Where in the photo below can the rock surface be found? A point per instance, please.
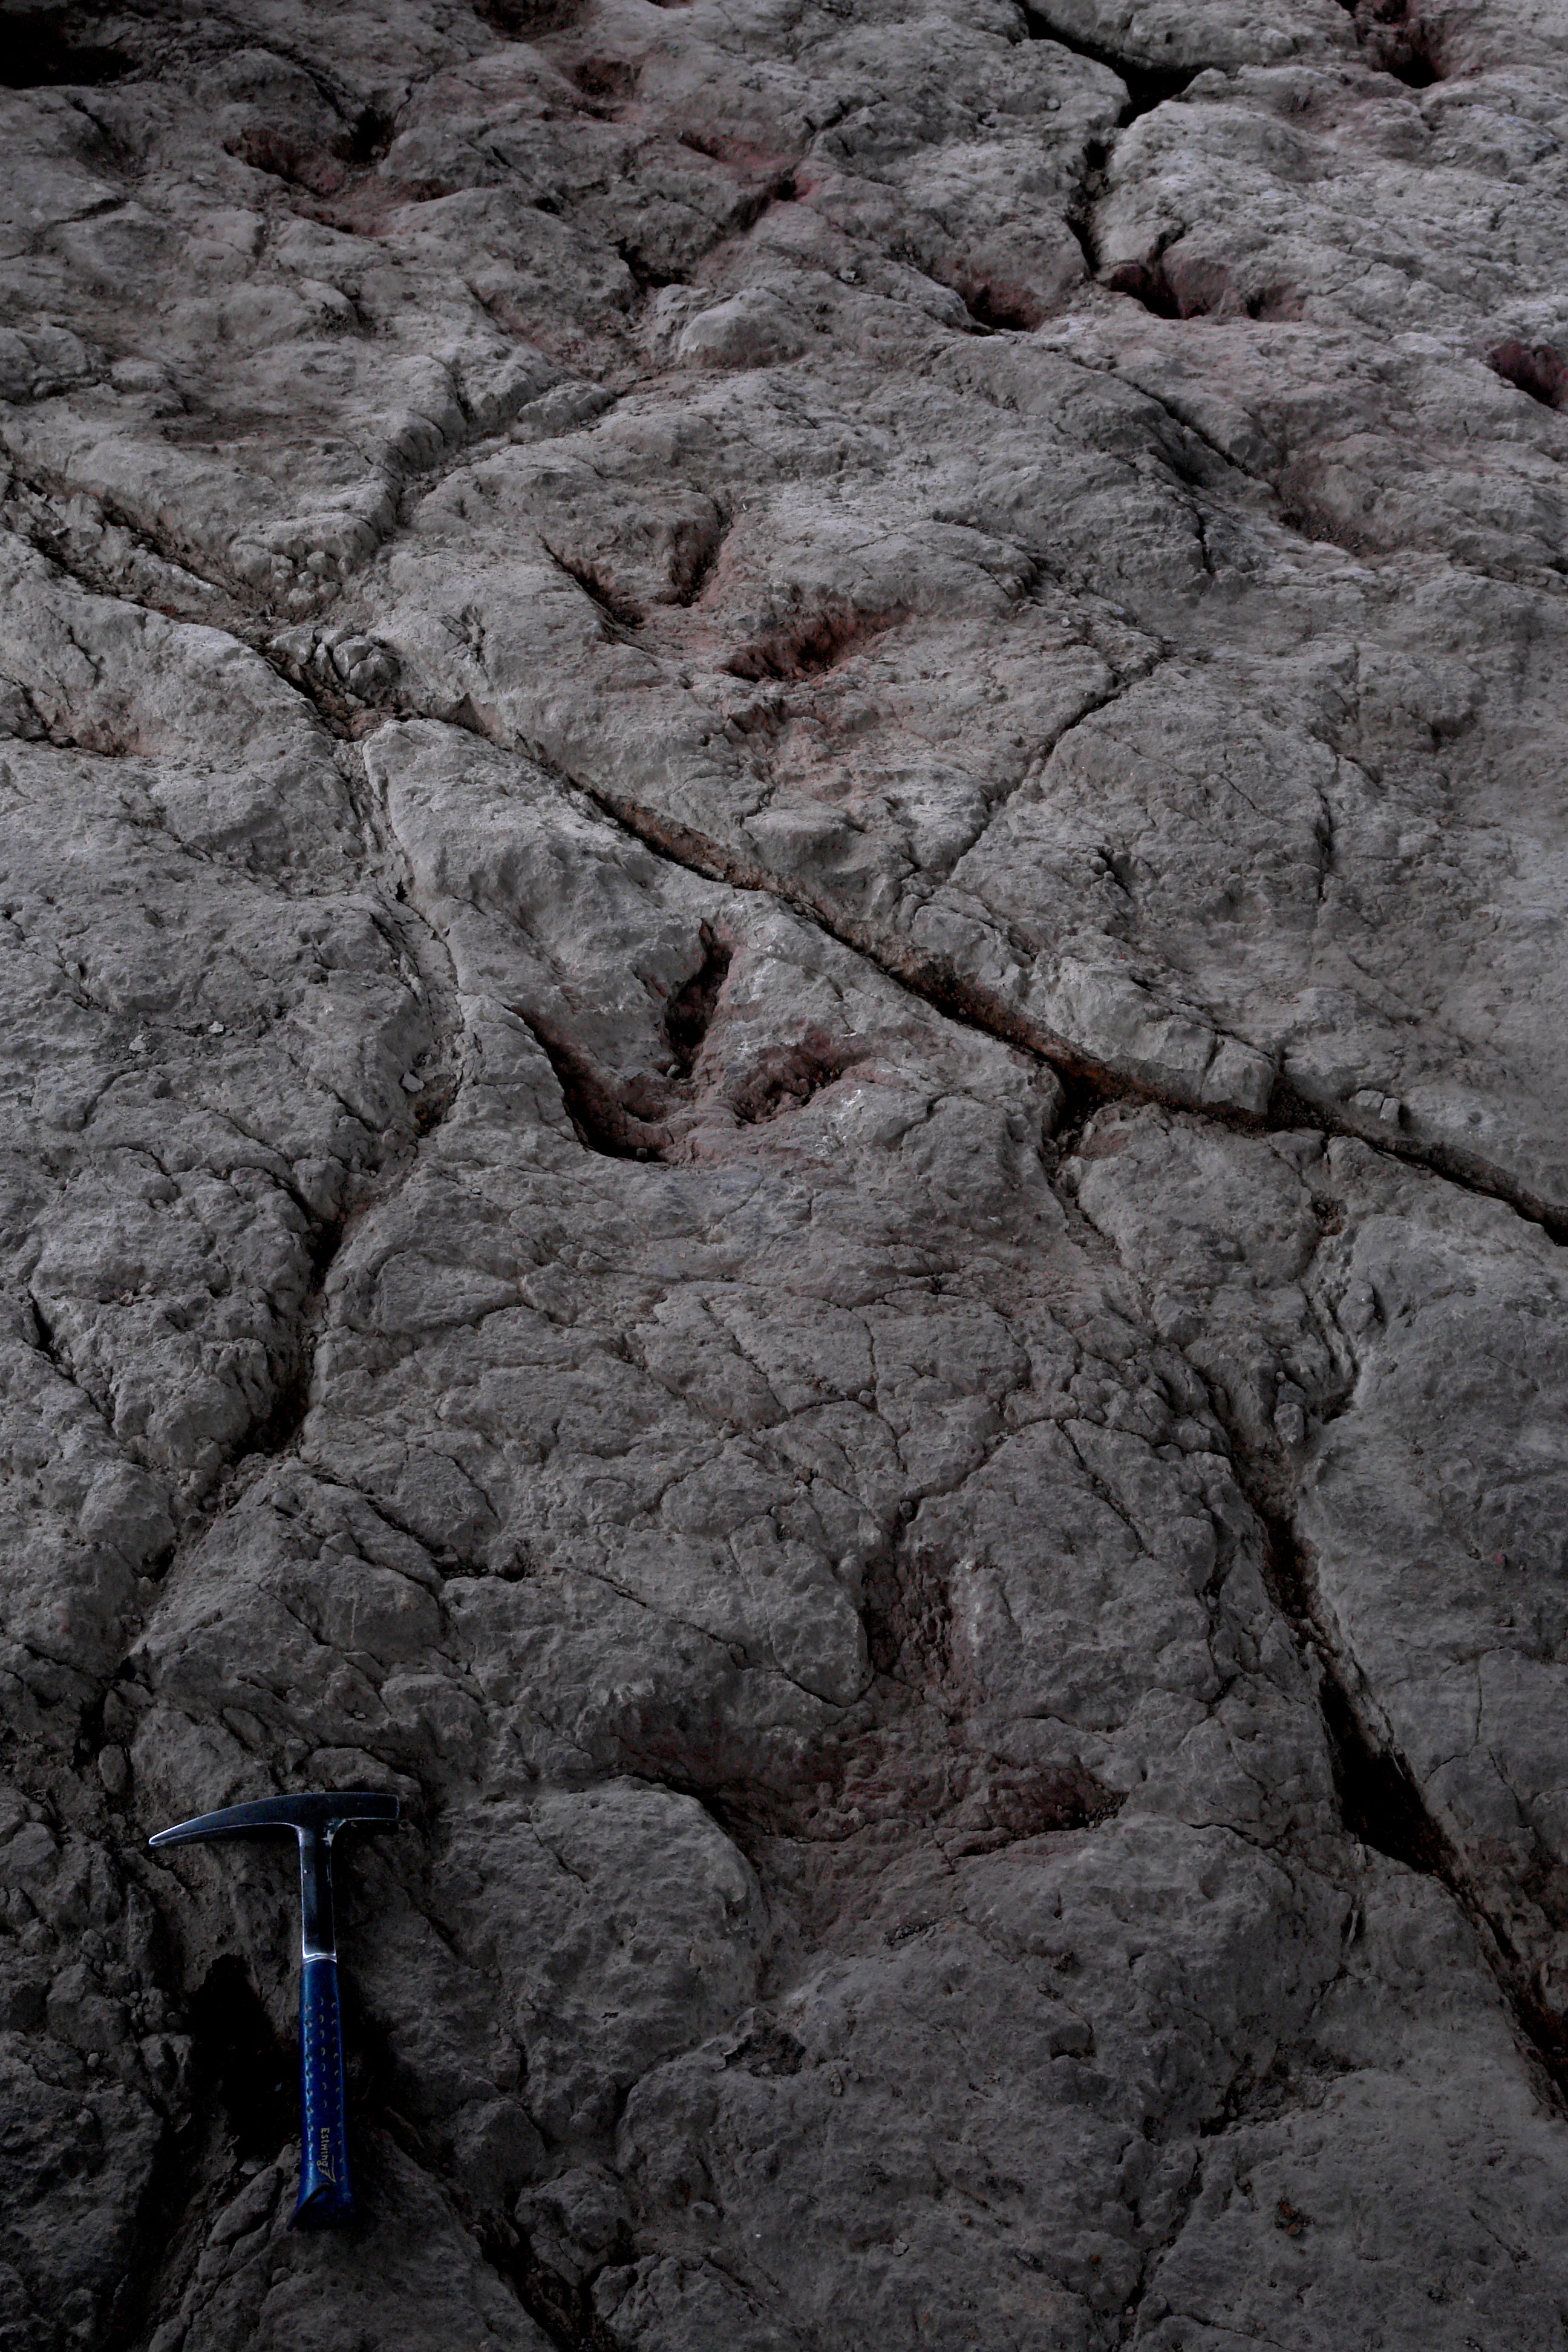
(782, 891)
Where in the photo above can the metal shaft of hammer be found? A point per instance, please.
(326, 2191)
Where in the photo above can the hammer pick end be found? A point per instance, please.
(320, 1812)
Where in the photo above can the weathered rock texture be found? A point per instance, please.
(783, 886)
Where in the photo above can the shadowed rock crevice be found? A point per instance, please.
(280, 1431)
(1181, 289)
(600, 1118)
(646, 1115)
(1147, 85)
(244, 2110)
(801, 647)
(648, 276)
(689, 1013)
(1382, 1803)
(786, 1075)
(50, 48)
(624, 611)
(526, 20)
(909, 1616)
(1000, 309)
(1537, 369)
(253, 2076)
(1398, 39)
(1379, 1801)
(560, 2309)
(696, 559)
(52, 1350)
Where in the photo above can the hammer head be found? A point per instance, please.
(315, 1817)
(318, 1813)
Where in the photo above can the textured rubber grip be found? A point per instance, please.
(325, 2195)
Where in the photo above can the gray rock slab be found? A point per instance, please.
(781, 923)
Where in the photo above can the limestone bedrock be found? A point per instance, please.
(781, 878)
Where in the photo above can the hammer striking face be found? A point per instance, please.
(315, 1818)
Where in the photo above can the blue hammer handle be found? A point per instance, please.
(315, 1816)
(326, 2192)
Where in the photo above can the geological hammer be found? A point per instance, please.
(325, 2194)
